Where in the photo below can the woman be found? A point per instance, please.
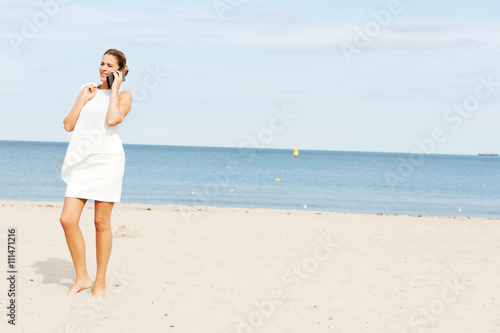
(94, 165)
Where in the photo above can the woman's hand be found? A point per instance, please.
(88, 93)
(118, 79)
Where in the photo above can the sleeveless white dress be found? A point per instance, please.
(94, 163)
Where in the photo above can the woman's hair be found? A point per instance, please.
(120, 57)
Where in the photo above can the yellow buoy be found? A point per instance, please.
(277, 179)
(296, 151)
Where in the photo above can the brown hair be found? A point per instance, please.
(120, 58)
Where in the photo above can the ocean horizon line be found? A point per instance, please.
(261, 149)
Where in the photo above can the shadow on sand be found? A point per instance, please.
(54, 270)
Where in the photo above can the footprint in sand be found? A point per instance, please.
(124, 232)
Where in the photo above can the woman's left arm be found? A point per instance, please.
(119, 104)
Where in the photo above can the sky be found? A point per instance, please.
(381, 76)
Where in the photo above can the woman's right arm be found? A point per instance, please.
(85, 95)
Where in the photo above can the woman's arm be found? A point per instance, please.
(119, 107)
(119, 104)
(85, 95)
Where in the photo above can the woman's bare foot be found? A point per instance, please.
(99, 289)
(79, 285)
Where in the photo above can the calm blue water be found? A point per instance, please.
(363, 182)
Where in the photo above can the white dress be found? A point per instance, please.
(94, 163)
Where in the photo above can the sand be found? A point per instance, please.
(209, 269)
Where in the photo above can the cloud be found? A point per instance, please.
(25, 3)
(419, 34)
(278, 31)
(477, 37)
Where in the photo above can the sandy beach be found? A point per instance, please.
(209, 269)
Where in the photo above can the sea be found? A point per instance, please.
(316, 180)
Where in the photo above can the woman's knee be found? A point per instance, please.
(71, 212)
(67, 222)
(102, 224)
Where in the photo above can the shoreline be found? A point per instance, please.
(140, 206)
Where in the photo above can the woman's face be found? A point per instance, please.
(108, 66)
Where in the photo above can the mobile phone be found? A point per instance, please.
(111, 78)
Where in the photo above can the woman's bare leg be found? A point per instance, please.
(104, 240)
(70, 217)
